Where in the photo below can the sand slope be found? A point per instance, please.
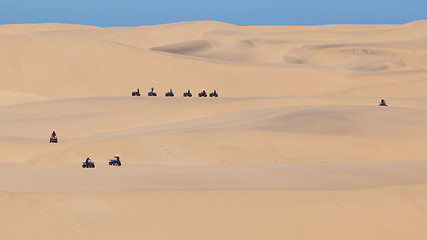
(372, 214)
(295, 146)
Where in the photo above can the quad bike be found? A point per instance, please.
(187, 94)
(202, 94)
(213, 94)
(169, 94)
(383, 104)
(152, 94)
(136, 93)
(89, 164)
(115, 162)
(53, 139)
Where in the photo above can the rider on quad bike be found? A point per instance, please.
(53, 137)
(383, 103)
(169, 93)
(203, 93)
(88, 163)
(136, 93)
(152, 93)
(187, 93)
(116, 161)
(213, 94)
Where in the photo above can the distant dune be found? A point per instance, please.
(295, 146)
(61, 60)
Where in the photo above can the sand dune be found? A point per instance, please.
(216, 129)
(295, 146)
(242, 61)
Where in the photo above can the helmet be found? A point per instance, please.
(116, 155)
(88, 156)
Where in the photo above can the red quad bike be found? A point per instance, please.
(383, 104)
(53, 139)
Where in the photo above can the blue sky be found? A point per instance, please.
(107, 13)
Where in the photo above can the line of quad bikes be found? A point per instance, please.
(117, 162)
(170, 93)
(91, 164)
(113, 162)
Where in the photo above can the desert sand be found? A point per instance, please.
(294, 147)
